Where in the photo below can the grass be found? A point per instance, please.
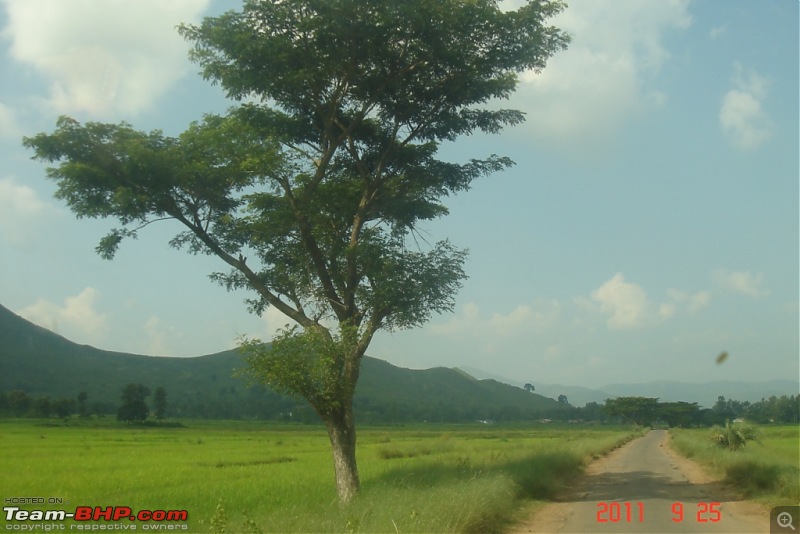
(767, 470)
(255, 477)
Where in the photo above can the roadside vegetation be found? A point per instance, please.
(766, 468)
(257, 477)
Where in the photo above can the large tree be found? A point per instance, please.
(636, 410)
(311, 190)
(134, 408)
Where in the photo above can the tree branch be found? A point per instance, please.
(298, 315)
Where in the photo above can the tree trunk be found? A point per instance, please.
(342, 433)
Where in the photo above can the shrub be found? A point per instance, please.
(733, 437)
(753, 477)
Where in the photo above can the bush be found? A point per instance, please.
(753, 477)
(733, 437)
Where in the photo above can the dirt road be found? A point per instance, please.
(644, 487)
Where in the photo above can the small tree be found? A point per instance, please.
(312, 191)
(160, 402)
(134, 408)
(733, 436)
(529, 388)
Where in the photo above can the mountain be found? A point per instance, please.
(704, 394)
(41, 363)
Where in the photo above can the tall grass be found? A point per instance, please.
(768, 470)
(260, 478)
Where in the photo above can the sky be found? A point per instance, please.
(650, 221)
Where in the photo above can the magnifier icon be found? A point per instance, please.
(785, 520)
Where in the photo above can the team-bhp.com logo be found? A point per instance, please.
(93, 514)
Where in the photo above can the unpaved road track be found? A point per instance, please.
(646, 471)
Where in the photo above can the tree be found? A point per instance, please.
(42, 407)
(679, 413)
(19, 402)
(529, 388)
(312, 191)
(563, 399)
(637, 410)
(63, 408)
(592, 411)
(723, 410)
(82, 408)
(134, 408)
(160, 402)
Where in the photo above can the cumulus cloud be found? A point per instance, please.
(626, 304)
(741, 116)
(159, 338)
(102, 58)
(20, 211)
(741, 282)
(691, 302)
(77, 318)
(503, 324)
(540, 316)
(605, 76)
(466, 319)
(274, 320)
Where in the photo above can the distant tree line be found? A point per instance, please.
(17, 403)
(259, 403)
(649, 411)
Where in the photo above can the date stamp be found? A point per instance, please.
(634, 512)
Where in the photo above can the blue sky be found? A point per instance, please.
(650, 222)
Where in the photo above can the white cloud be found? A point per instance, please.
(503, 324)
(467, 319)
(667, 310)
(274, 320)
(542, 315)
(20, 210)
(741, 115)
(717, 31)
(741, 282)
(692, 302)
(626, 304)
(605, 76)
(698, 301)
(159, 338)
(102, 58)
(77, 319)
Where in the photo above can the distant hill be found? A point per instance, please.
(704, 394)
(42, 363)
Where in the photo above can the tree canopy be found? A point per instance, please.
(134, 408)
(311, 190)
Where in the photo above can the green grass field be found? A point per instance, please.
(767, 470)
(252, 477)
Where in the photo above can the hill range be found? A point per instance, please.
(42, 363)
